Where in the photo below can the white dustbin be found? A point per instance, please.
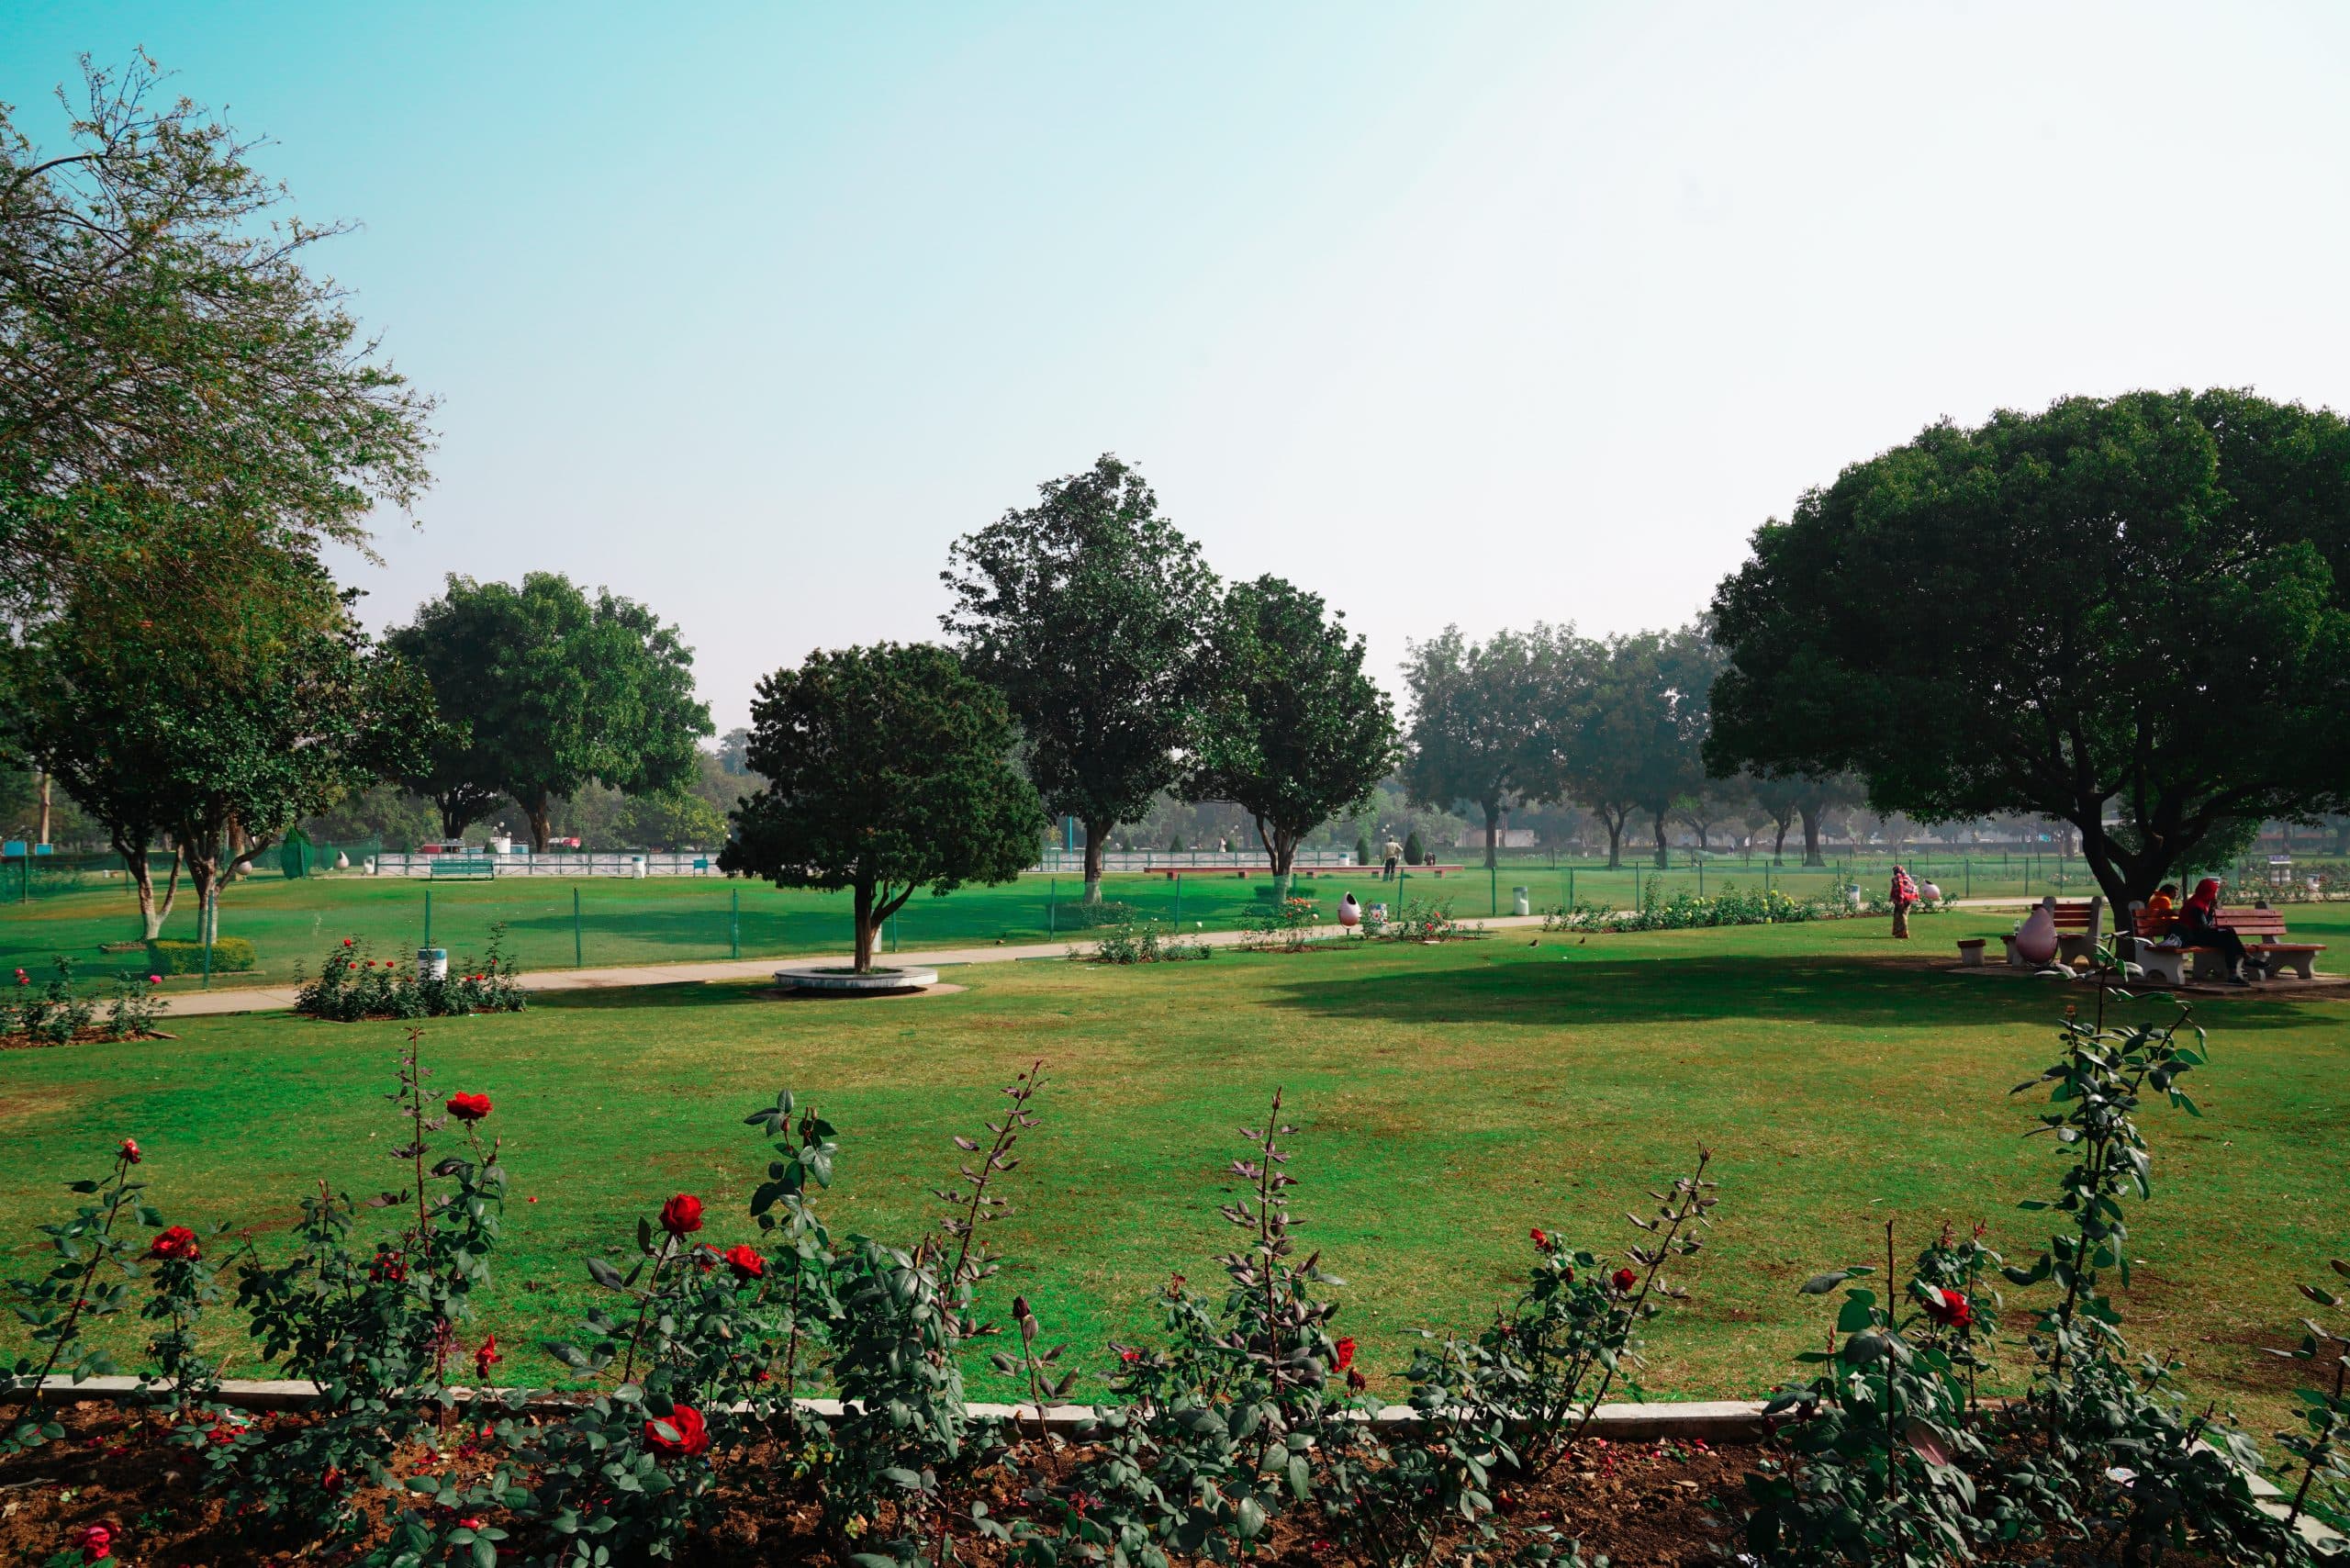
(636, 866)
(1520, 902)
(432, 963)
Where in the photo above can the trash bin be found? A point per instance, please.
(1521, 903)
(432, 963)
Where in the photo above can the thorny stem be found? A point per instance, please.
(645, 1304)
(2318, 1450)
(1892, 1442)
(31, 1392)
(1690, 1205)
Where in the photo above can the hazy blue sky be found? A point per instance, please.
(1485, 313)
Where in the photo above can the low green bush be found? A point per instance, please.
(1141, 945)
(1087, 916)
(230, 955)
(352, 986)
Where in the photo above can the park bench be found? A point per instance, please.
(474, 865)
(2079, 925)
(2263, 931)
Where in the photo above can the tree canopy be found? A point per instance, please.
(221, 719)
(165, 354)
(1483, 719)
(2127, 614)
(889, 770)
(1633, 731)
(1292, 731)
(1090, 613)
(543, 689)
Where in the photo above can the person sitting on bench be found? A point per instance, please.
(2199, 927)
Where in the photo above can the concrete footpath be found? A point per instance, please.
(276, 998)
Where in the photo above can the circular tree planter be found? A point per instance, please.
(839, 980)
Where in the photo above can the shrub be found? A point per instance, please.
(1415, 852)
(1427, 920)
(51, 1013)
(138, 1003)
(230, 955)
(1141, 945)
(1285, 923)
(1363, 852)
(352, 986)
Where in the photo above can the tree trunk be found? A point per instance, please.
(1280, 848)
(866, 928)
(1779, 841)
(151, 919)
(453, 823)
(1096, 835)
(1811, 856)
(541, 828)
(1664, 856)
(1615, 825)
(44, 805)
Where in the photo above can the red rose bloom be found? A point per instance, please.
(744, 1260)
(97, 1542)
(346, 941)
(130, 1151)
(692, 1438)
(681, 1215)
(468, 1107)
(1539, 1239)
(1625, 1280)
(1356, 1381)
(1949, 1309)
(1345, 1349)
(388, 1266)
(177, 1242)
(332, 1481)
(486, 1357)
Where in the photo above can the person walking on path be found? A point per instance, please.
(1392, 853)
(1905, 893)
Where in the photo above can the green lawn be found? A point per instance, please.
(616, 921)
(1449, 1098)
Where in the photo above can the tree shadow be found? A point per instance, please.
(1582, 988)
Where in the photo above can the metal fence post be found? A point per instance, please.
(734, 922)
(1052, 913)
(1178, 899)
(428, 914)
(579, 938)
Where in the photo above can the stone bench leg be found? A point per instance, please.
(2298, 962)
(2015, 960)
(2161, 963)
(2211, 965)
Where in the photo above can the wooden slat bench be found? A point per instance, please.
(2263, 931)
(2079, 925)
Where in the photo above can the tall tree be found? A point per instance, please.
(1637, 733)
(1088, 612)
(543, 689)
(221, 719)
(164, 356)
(2129, 611)
(1483, 720)
(889, 770)
(1294, 731)
(1785, 796)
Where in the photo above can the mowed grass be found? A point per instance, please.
(672, 920)
(1446, 1099)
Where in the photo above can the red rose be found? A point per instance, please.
(154, 980)
(1539, 1239)
(97, 1542)
(1129, 1356)
(130, 1151)
(1345, 1349)
(177, 1242)
(468, 1107)
(1356, 1381)
(388, 1266)
(332, 1481)
(681, 1215)
(1949, 1309)
(346, 941)
(744, 1260)
(469, 1524)
(485, 1357)
(1625, 1280)
(692, 1436)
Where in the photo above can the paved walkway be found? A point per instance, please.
(275, 999)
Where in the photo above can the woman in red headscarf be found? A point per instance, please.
(2197, 927)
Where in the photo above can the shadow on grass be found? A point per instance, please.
(1582, 988)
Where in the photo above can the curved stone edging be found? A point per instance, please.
(842, 982)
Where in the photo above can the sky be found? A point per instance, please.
(1475, 313)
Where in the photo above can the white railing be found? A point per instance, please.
(522, 863)
(1071, 862)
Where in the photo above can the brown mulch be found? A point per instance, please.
(1644, 1505)
(93, 1037)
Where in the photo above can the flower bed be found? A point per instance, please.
(1242, 1428)
(59, 1012)
(352, 985)
(1685, 911)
